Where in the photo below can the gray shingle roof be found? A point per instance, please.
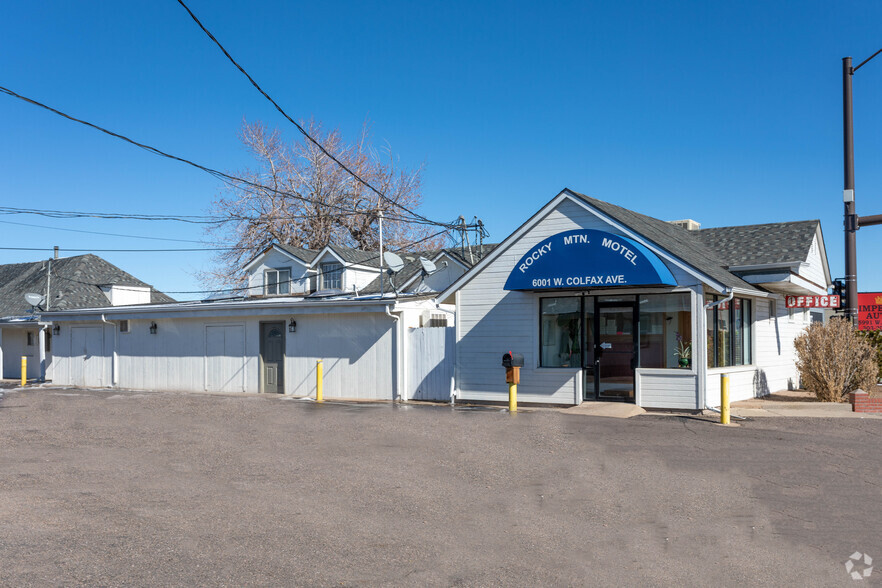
(675, 240)
(773, 243)
(357, 256)
(305, 255)
(412, 265)
(75, 284)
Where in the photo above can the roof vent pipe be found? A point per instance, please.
(56, 251)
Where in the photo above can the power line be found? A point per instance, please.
(299, 127)
(193, 219)
(234, 289)
(75, 250)
(99, 232)
(222, 176)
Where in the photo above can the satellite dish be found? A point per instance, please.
(33, 299)
(428, 266)
(393, 261)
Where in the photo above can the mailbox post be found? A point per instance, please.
(513, 362)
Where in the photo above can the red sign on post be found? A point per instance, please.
(827, 301)
(870, 311)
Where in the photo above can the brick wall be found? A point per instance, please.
(861, 402)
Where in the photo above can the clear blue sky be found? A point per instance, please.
(727, 113)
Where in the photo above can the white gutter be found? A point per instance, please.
(256, 307)
(731, 294)
(398, 353)
(114, 362)
(438, 307)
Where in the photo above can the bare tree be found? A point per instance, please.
(304, 199)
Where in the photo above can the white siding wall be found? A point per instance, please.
(123, 295)
(492, 321)
(351, 276)
(15, 346)
(357, 354)
(667, 389)
(813, 268)
(357, 349)
(358, 278)
(275, 260)
(60, 369)
(774, 366)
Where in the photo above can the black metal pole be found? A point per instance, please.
(851, 297)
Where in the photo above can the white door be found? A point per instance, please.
(225, 358)
(87, 356)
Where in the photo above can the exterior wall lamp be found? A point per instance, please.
(292, 326)
(152, 328)
(56, 330)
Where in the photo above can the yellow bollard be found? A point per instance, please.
(24, 371)
(512, 397)
(724, 399)
(319, 376)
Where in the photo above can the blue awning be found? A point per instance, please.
(588, 258)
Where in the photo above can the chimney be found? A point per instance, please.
(688, 224)
(56, 252)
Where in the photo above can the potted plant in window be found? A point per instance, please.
(684, 351)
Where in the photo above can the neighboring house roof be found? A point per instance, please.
(305, 255)
(412, 266)
(469, 256)
(356, 256)
(352, 256)
(675, 240)
(768, 244)
(76, 283)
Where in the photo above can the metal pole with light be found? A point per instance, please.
(852, 221)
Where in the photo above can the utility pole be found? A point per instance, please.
(380, 217)
(852, 221)
(848, 195)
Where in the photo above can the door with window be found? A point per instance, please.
(611, 348)
(272, 357)
(615, 350)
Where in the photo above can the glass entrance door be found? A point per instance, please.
(614, 351)
(589, 365)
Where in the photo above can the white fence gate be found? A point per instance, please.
(430, 357)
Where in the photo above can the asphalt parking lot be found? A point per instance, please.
(111, 488)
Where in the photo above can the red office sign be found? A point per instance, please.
(870, 311)
(828, 301)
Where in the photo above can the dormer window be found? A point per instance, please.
(277, 282)
(331, 276)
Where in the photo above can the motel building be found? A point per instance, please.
(608, 304)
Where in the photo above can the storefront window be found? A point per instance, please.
(711, 322)
(665, 330)
(561, 332)
(729, 326)
(724, 340)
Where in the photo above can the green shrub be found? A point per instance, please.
(834, 359)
